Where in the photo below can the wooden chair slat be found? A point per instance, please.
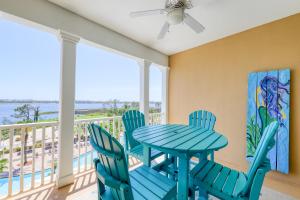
(138, 195)
(208, 119)
(212, 175)
(202, 119)
(240, 184)
(220, 181)
(199, 118)
(154, 177)
(158, 190)
(197, 168)
(203, 172)
(111, 163)
(230, 182)
(212, 122)
(147, 192)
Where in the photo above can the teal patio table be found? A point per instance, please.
(182, 141)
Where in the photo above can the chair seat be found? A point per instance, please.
(218, 180)
(138, 152)
(147, 183)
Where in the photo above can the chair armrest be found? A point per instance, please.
(258, 182)
(105, 152)
(107, 179)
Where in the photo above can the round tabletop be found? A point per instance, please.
(180, 138)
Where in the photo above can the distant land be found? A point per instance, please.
(56, 101)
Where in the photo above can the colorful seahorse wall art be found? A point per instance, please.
(269, 100)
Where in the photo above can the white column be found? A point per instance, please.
(165, 94)
(66, 109)
(144, 88)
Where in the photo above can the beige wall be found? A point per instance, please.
(214, 77)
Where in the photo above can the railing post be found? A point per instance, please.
(164, 96)
(66, 109)
(144, 88)
(10, 168)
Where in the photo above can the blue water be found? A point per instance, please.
(47, 173)
(7, 109)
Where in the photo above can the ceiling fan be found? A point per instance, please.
(174, 11)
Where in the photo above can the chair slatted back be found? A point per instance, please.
(132, 120)
(266, 143)
(202, 119)
(117, 168)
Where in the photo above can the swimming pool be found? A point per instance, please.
(47, 174)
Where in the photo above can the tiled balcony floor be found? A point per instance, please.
(84, 185)
(85, 188)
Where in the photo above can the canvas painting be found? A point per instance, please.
(269, 100)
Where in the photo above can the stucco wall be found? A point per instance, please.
(214, 77)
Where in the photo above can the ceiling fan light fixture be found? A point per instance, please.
(174, 12)
(175, 16)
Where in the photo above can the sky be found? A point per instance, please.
(30, 69)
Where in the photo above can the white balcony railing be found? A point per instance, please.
(28, 152)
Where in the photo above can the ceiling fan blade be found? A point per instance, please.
(147, 12)
(163, 31)
(192, 23)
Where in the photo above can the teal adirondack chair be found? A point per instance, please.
(132, 120)
(113, 179)
(203, 119)
(226, 183)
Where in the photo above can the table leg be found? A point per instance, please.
(147, 152)
(183, 178)
(202, 193)
(175, 167)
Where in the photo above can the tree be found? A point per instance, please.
(24, 112)
(36, 114)
(135, 105)
(3, 163)
(114, 106)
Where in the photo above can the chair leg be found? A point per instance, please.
(212, 156)
(175, 167)
(192, 194)
(101, 188)
(202, 194)
(127, 158)
(166, 156)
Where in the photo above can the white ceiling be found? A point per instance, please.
(220, 17)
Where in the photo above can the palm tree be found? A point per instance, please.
(36, 116)
(24, 112)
